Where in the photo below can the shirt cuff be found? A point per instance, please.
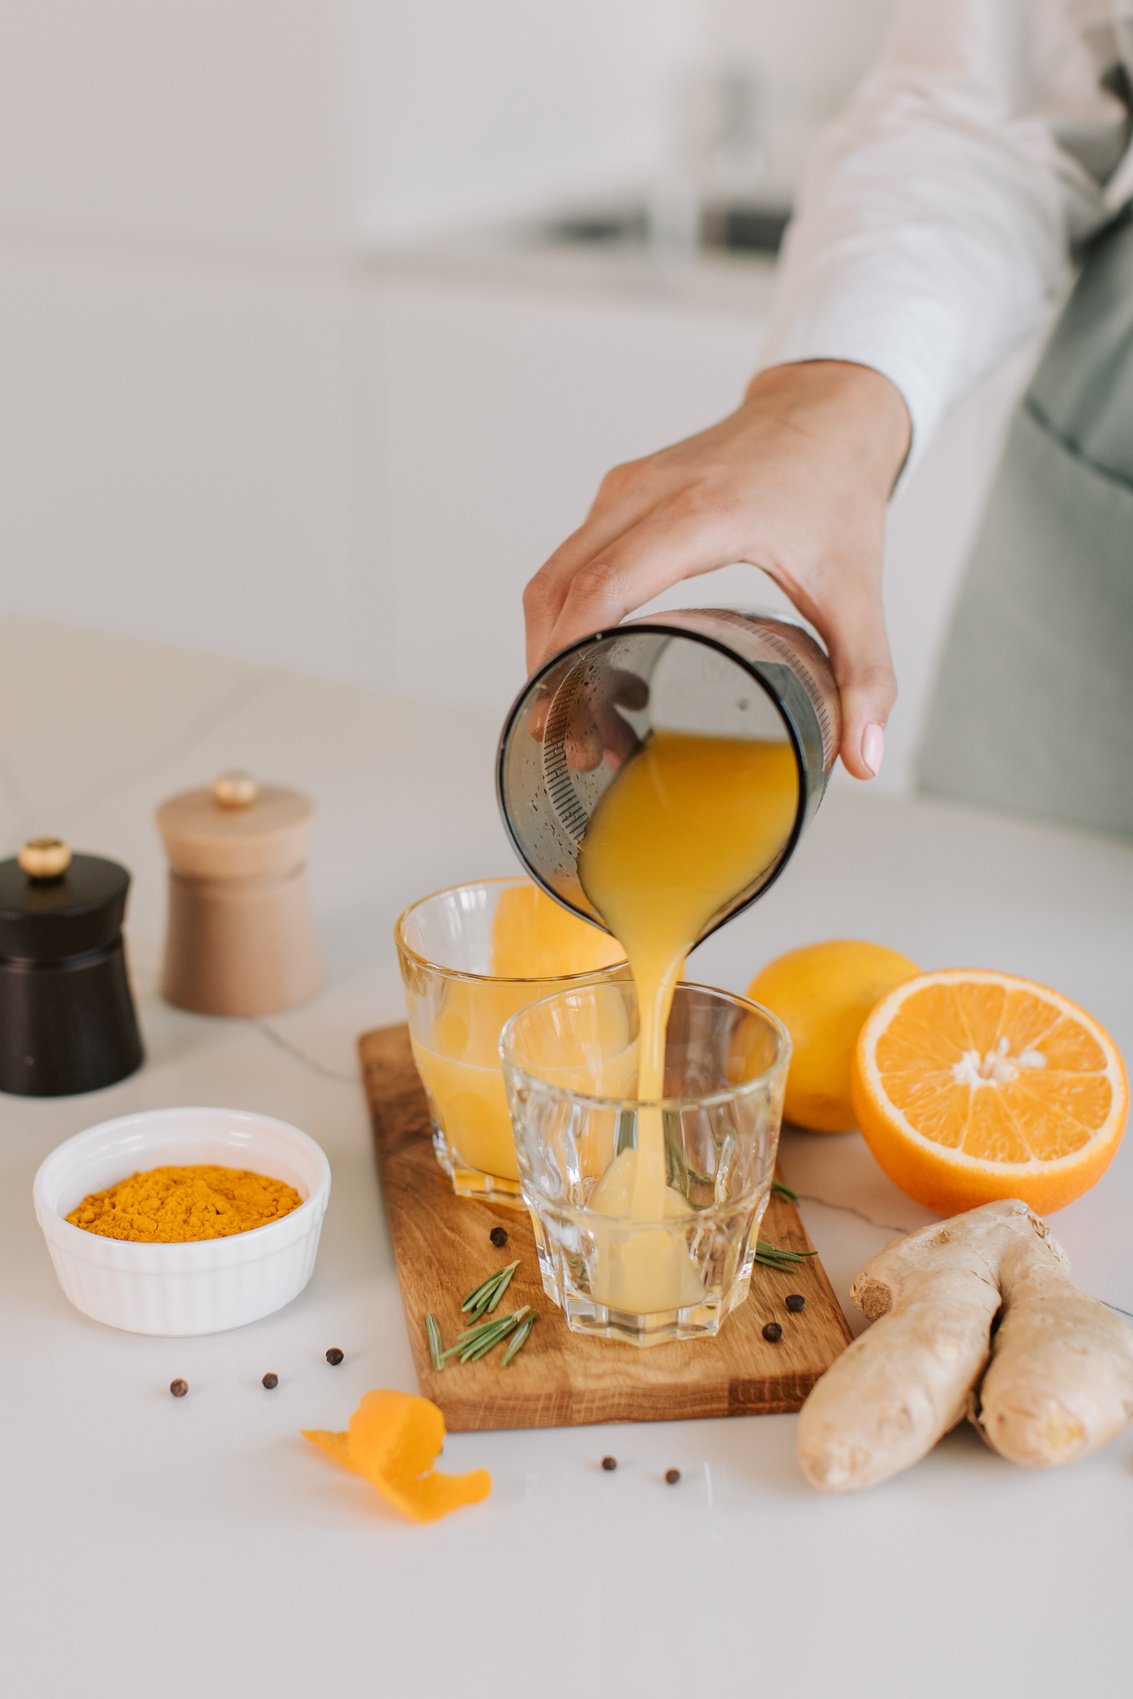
(867, 327)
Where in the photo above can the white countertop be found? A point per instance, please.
(198, 1546)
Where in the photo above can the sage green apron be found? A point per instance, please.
(1033, 705)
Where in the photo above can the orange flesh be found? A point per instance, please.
(1045, 1112)
(970, 1086)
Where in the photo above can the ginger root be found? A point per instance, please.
(1060, 1380)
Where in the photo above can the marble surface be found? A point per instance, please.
(152, 1545)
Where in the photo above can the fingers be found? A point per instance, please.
(621, 501)
(597, 732)
(596, 729)
(659, 551)
(619, 740)
(853, 625)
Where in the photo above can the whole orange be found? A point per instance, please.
(822, 993)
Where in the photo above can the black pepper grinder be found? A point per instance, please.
(67, 1021)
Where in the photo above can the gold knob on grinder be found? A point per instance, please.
(235, 790)
(45, 858)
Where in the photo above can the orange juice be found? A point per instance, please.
(535, 942)
(534, 937)
(688, 823)
(460, 1071)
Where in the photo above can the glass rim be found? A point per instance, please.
(582, 977)
(705, 1100)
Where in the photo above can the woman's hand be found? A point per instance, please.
(796, 482)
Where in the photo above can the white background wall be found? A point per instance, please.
(801, 57)
(472, 111)
(221, 426)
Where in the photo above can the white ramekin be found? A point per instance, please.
(204, 1286)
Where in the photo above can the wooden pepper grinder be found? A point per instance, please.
(67, 1021)
(241, 934)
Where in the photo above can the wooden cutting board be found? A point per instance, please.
(563, 1379)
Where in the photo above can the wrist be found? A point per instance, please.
(855, 410)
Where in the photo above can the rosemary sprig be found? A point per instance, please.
(777, 1256)
(784, 1191)
(483, 1299)
(476, 1342)
(520, 1337)
(501, 1286)
(482, 1330)
(436, 1343)
(474, 1352)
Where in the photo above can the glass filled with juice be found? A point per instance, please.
(471, 957)
(585, 1135)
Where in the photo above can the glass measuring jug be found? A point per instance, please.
(715, 672)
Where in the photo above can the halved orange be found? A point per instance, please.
(970, 1085)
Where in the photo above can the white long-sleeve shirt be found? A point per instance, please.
(942, 209)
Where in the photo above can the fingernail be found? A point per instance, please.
(873, 748)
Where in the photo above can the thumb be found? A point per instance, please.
(863, 667)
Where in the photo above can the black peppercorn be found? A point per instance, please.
(772, 1331)
(178, 1388)
(334, 1356)
(271, 1381)
(498, 1236)
(609, 1463)
(796, 1302)
(672, 1476)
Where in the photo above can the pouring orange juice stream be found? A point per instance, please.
(689, 823)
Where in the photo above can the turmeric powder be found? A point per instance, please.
(172, 1205)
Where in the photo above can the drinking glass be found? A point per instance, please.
(570, 1065)
(449, 947)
